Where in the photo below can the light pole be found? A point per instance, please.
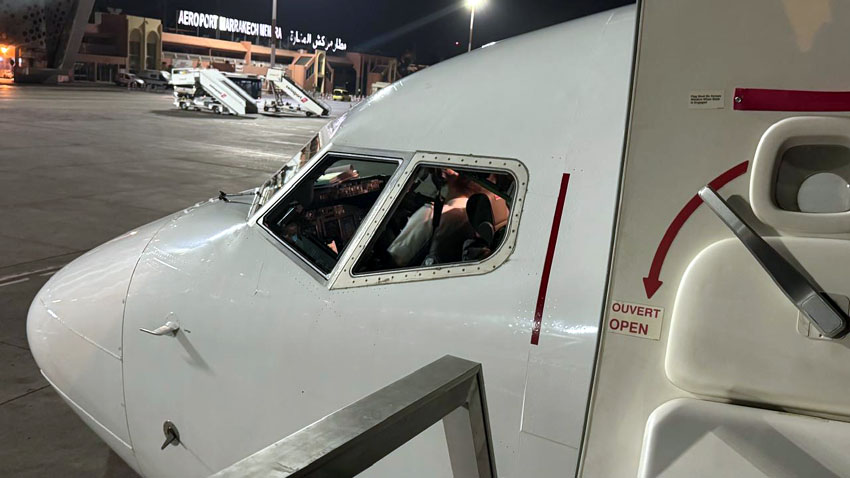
(472, 5)
(274, 30)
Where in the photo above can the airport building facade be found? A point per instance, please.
(115, 42)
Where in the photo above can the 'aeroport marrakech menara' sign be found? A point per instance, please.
(232, 25)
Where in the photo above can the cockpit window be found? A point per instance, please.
(286, 173)
(445, 215)
(321, 214)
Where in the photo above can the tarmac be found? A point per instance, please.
(79, 166)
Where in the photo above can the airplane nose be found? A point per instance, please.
(74, 329)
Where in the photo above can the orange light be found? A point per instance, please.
(4, 50)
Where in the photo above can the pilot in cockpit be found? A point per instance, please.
(452, 225)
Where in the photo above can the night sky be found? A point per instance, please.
(427, 28)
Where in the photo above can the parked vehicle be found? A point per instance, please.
(340, 94)
(129, 80)
(155, 79)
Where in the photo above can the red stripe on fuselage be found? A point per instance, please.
(758, 99)
(547, 264)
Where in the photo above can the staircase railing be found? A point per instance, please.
(354, 438)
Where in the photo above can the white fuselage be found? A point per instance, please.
(268, 346)
(623, 329)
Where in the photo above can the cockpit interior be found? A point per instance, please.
(320, 216)
(444, 215)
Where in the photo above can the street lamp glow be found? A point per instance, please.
(4, 50)
(472, 5)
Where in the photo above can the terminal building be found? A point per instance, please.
(119, 42)
(108, 43)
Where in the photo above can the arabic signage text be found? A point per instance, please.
(225, 24)
(317, 42)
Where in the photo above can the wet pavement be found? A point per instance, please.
(79, 166)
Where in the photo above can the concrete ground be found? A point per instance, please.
(78, 166)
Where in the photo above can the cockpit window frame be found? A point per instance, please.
(343, 277)
(304, 262)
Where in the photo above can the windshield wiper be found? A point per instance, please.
(223, 196)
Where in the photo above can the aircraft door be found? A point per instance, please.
(723, 348)
(762, 319)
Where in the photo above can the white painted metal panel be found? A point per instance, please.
(687, 47)
(86, 373)
(200, 273)
(74, 328)
(87, 295)
(734, 335)
(696, 439)
(560, 367)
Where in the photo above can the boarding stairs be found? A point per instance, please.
(281, 85)
(210, 85)
(227, 92)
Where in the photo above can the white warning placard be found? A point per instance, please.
(706, 99)
(637, 320)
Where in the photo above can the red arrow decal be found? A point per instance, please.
(652, 282)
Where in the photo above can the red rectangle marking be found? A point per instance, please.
(757, 99)
(547, 263)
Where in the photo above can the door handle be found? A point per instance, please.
(170, 328)
(821, 311)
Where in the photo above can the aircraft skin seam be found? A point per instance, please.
(535, 435)
(123, 318)
(77, 333)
